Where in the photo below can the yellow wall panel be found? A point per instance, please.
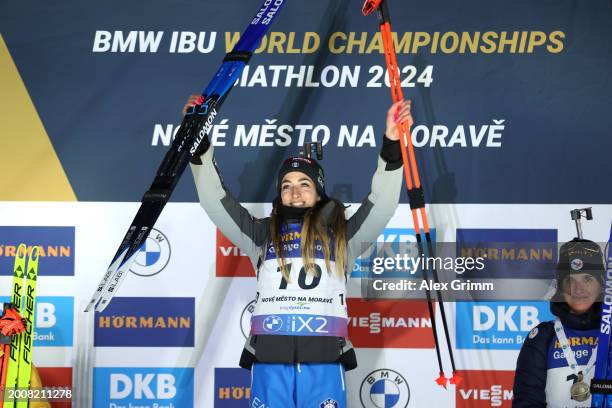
(29, 167)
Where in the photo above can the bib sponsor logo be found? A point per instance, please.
(143, 387)
(154, 255)
(384, 388)
(53, 321)
(56, 249)
(146, 322)
(480, 389)
(498, 325)
(232, 387)
(231, 261)
(389, 324)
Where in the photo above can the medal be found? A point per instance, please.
(580, 390)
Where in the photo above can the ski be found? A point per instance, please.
(29, 307)
(195, 126)
(16, 300)
(601, 385)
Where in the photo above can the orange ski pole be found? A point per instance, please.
(413, 182)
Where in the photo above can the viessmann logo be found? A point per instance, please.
(484, 389)
(146, 322)
(231, 262)
(56, 248)
(389, 324)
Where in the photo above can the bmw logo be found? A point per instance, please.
(329, 403)
(153, 256)
(576, 264)
(272, 324)
(384, 388)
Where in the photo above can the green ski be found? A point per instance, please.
(29, 306)
(20, 359)
(17, 290)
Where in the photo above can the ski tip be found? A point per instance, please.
(22, 250)
(102, 305)
(34, 253)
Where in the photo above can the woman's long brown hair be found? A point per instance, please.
(314, 229)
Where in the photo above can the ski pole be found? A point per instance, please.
(416, 197)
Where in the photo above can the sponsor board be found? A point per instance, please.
(384, 388)
(510, 253)
(146, 387)
(498, 325)
(230, 260)
(154, 255)
(54, 320)
(146, 322)
(232, 387)
(483, 389)
(56, 248)
(57, 377)
(396, 241)
(389, 324)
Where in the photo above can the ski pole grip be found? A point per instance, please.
(242, 56)
(416, 198)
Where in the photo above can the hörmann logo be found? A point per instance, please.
(510, 253)
(55, 248)
(484, 389)
(232, 388)
(204, 131)
(389, 324)
(142, 322)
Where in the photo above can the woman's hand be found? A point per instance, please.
(191, 102)
(398, 113)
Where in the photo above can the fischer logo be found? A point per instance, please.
(266, 15)
(204, 131)
(482, 389)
